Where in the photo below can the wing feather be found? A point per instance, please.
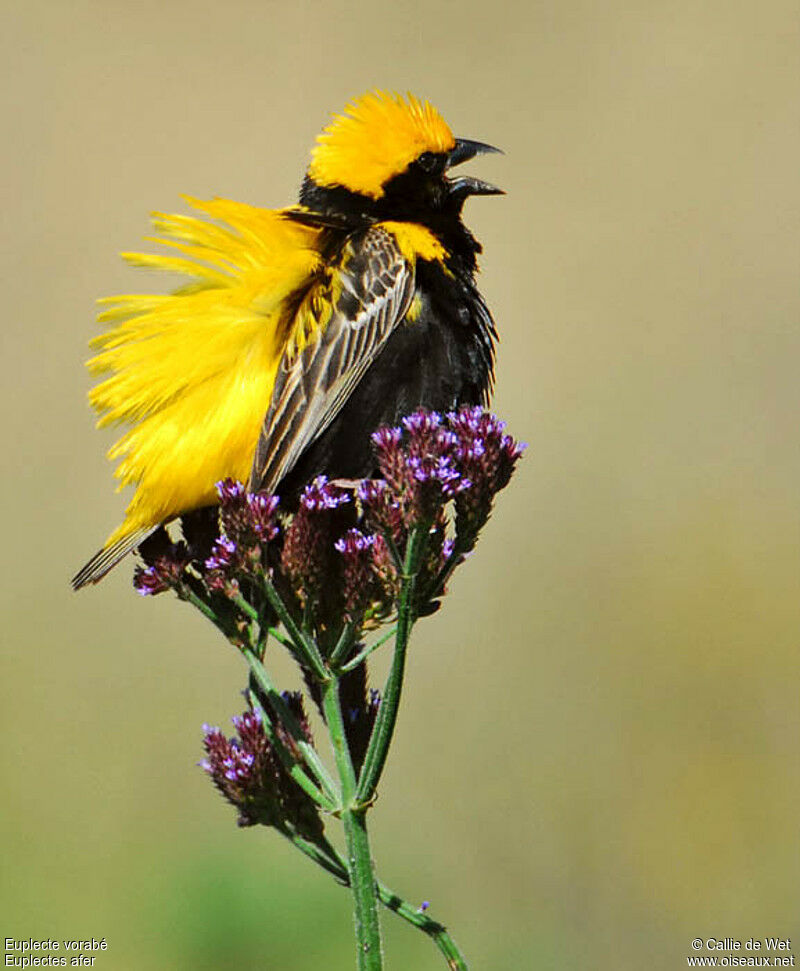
(107, 558)
(375, 286)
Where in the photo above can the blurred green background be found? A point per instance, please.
(596, 758)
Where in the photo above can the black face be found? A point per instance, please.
(418, 191)
(432, 163)
(423, 193)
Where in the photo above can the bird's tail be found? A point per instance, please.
(107, 558)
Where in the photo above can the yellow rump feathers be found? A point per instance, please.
(193, 371)
(375, 139)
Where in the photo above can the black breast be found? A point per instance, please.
(440, 360)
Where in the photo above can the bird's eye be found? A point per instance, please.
(428, 161)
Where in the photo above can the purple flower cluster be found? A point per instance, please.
(239, 768)
(223, 566)
(383, 508)
(361, 584)
(249, 519)
(247, 522)
(339, 556)
(322, 494)
(418, 464)
(308, 556)
(486, 455)
(338, 560)
(427, 463)
(429, 460)
(165, 563)
(249, 774)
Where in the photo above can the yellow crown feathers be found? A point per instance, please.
(376, 138)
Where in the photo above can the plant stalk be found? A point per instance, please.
(324, 855)
(359, 861)
(436, 931)
(304, 646)
(381, 738)
(291, 724)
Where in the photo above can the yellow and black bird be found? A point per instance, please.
(302, 329)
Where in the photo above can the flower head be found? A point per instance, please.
(337, 559)
(165, 563)
(249, 774)
(417, 462)
(308, 557)
(322, 494)
(247, 518)
(223, 565)
(247, 524)
(486, 456)
(383, 509)
(360, 581)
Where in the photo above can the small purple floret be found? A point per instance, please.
(165, 566)
(354, 542)
(421, 422)
(223, 554)
(386, 438)
(229, 490)
(321, 494)
(148, 582)
(360, 577)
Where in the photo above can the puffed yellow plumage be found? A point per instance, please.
(198, 365)
(301, 329)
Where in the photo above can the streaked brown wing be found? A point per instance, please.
(375, 286)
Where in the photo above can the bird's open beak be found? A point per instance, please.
(466, 149)
(466, 185)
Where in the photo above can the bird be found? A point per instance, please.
(301, 330)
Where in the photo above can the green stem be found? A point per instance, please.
(292, 726)
(359, 862)
(304, 646)
(185, 592)
(250, 612)
(280, 637)
(324, 855)
(343, 645)
(287, 760)
(381, 737)
(436, 931)
(363, 655)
